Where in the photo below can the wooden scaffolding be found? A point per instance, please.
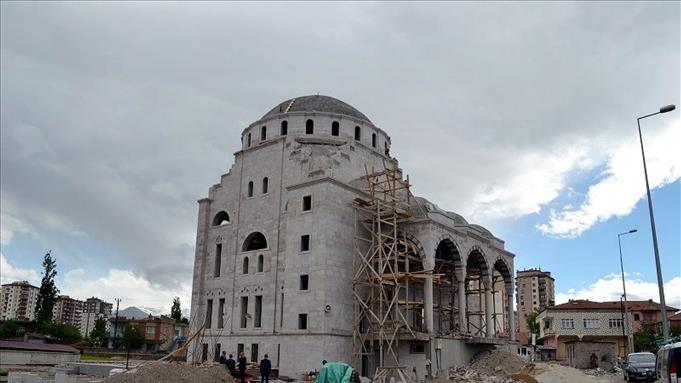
(384, 308)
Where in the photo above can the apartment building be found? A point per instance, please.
(68, 310)
(94, 308)
(18, 301)
(534, 291)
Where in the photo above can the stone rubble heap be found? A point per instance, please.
(493, 367)
(165, 372)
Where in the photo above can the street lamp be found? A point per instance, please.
(630, 338)
(663, 305)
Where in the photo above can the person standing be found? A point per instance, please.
(265, 369)
(231, 366)
(223, 357)
(242, 367)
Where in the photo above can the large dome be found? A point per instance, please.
(316, 103)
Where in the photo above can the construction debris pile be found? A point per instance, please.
(494, 367)
(173, 373)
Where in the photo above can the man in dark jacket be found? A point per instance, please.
(242, 367)
(231, 366)
(223, 357)
(265, 369)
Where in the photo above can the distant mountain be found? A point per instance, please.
(133, 312)
(144, 311)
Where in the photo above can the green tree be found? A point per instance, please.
(132, 339)
(644, 339)
(47, 295)
(176, 312)
(8, 329)
(532, 323)
(98, 334)
(61, 332)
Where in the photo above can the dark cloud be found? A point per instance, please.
(130, 111)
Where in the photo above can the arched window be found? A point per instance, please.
(263, 133)
(261, 263)
(254, 241)
(250, 188)
(248, 141)
(245, 266)
(373, 139)
(221, 218)
(358, 133)
(335, 128)
(284, 128)
(309, 127)
(265, 184)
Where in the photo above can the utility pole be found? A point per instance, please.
(118, 301)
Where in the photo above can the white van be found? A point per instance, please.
(669, 363)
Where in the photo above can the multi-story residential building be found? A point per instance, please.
(94, 308)
(534, 291)
(159, 332)
(581, 321)
(644, 312)
(18, 301)
(68, 310)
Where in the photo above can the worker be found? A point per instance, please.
(265, 369)
(231, 365)
(242, 367)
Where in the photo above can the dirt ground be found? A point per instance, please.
(556, 373)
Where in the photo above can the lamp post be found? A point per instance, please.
(663, 305)
(630, 338)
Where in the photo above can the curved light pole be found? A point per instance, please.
(627, 324)
(663, 305)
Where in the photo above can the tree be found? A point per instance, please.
(98, 334)
(176, 312)
(132, 339)
(532, 323)
(61, 332)
(8, 329)
(47, 295)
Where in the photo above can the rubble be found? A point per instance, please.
(494, 367)
(499, 363)
(167, 372)
(615, 372)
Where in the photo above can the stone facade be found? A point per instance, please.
(273, 266)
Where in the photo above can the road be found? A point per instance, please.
(556, 373)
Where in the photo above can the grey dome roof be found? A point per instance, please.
(316, 103)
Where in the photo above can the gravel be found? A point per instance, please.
(168, 372)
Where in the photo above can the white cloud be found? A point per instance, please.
(10, 224)
(622, 186)
(132, 289)
(10, 273)
(609, 288)
(536, 178)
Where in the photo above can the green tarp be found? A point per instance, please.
(334, 372)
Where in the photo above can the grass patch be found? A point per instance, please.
(99, 358)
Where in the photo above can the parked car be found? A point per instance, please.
(640, 365)
(669, 363)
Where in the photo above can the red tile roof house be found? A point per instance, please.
(28, 353)
(644, 312)
(581, 321)
(159, 332)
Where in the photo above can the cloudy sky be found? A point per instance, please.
(116, 117)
